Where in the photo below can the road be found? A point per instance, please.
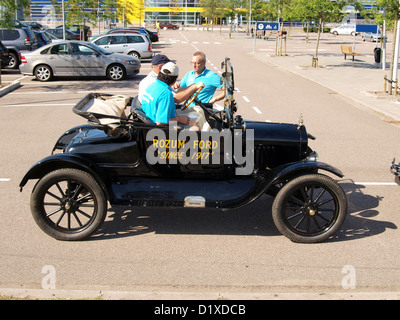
(206, 251)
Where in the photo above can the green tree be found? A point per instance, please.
(320, 11)
(211, 10)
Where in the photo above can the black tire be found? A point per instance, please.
(116, 72)
(68, 204)
(310, 208)
(14, 61)
(134, 54)
(43, 73)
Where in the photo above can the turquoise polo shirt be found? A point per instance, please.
(211, 80)
(158, 102)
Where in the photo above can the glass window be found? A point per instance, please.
(118, 39)
(59, 49)
(102, 41)
(82, 49)
(135, 39)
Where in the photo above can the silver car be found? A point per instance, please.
(136, 45)
(372, 36)
(77, 58)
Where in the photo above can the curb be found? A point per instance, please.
(13, 85)
(45, 294)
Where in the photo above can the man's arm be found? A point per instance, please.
(219, 96)
(182, 94)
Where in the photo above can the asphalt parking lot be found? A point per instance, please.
(148, 253)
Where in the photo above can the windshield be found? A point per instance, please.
(229, 101)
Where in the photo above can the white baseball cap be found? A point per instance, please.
(170, 69)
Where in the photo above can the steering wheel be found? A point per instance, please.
(189, 101)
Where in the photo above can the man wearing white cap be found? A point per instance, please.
(158, 101)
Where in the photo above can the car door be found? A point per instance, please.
(86, 60)
(118, 43)
(60, 59)
(182, 153)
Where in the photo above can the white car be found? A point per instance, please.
(344, 29)
(136, 45)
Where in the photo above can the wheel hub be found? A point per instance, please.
(310, 209)
(69, 205)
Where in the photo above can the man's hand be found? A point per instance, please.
(184, 119)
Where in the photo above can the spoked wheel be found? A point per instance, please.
(68, 204)
(310, 208)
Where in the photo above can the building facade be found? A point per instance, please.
(138, 12)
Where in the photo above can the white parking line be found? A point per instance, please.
(38, 105)
(257, 110)
(4, 179)
(246, 99)
(377, 183)
(116, 91)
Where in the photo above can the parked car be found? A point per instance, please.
(42, 40)
(4, 56)
(133, 162)
(50, 37)
(17, 39)
(123, 31)
(153, 36)
(372, 36)
(136, 45)
(344, 29)
(169, 26)
(58, 33)
(34, 25)
(76, 29)
(77, 58)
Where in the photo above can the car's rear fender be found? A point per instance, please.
(295, 169)
(68, 135)
(62, 161)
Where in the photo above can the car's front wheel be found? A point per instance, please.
(43, 73)
(116, 72)
(68, 204)
(134, 54)
(310, 208)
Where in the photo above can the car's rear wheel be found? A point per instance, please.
(310, 208)
(68, 204)
(43, 73)
(116, 72)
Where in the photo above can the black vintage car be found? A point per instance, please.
(130, 161)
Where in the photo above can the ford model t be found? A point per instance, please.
(122, 158)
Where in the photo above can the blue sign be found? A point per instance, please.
(367, 28)
(269, 26)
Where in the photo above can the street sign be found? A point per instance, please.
(367, 28)
(268, 26)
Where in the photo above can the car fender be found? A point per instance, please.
(61, 161)
(299, 168)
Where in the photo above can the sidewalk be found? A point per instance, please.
(361, 81)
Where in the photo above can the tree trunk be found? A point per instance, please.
(315, 58)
